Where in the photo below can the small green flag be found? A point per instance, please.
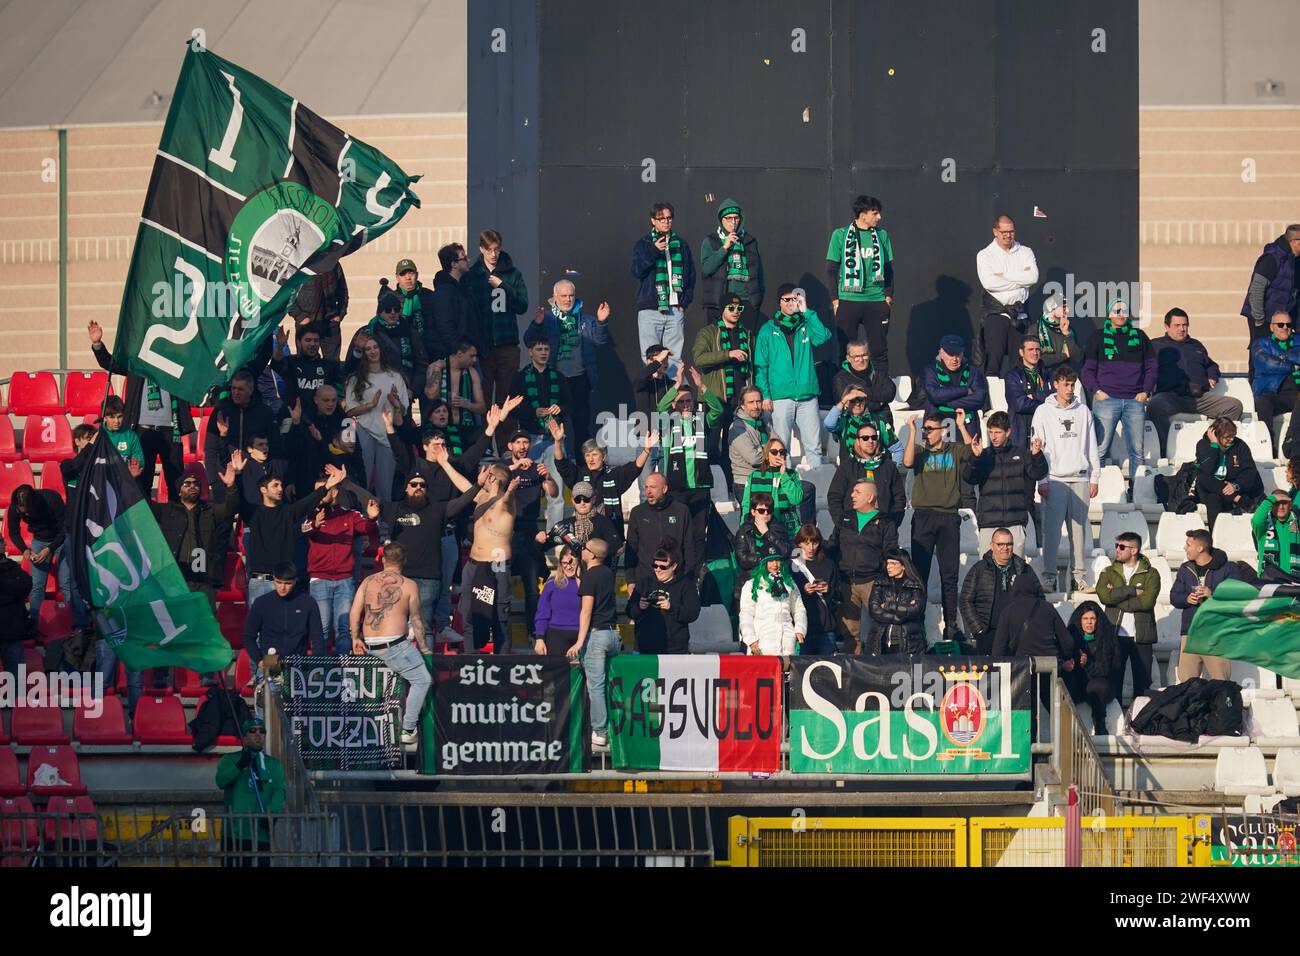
(122, 564)
(1246, 622)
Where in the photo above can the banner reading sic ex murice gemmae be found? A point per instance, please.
(505, 715)
(680, 712)
(900, 715)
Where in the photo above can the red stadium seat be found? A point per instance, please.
(17, 834)
(34, 659)
(37, 725)
(54, 620)
(11, 785)
(107, 729)
(47, 438)
(160, 495)
(13, 474)
(52, 479)
(91, 419)
(243, 673)
(231, 618)
(34, 393)
(196, 443)
(161, 720)
(235, 585)
(83, 392)
(188, 682)
(62, 759)
(9, 450)
(72, 818)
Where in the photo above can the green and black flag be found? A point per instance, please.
(1257, 623)
(124, 568)
(252, 193)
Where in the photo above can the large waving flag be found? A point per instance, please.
(123, 566)
(251, 194)
(1248, 622)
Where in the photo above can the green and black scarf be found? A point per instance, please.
(153, 396)
(782, 509)
(789, 323)
(853, 276)
(757, 424)
(664, 284)
(1222, 470)
(882, 420)
(737, 261)
(1108, 347)
(779, 587)
(728, 339)
(945, 379)
(1046, 326)
(541, 389)
(455, 439)
(466, 390)
(570, 327)
(411, 307)
(1035, 381)
(1286, 347)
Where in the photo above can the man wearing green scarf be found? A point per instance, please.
(1119, 369)
(730, 264)
(785, 371)
(723, 354)
(860, 267)
(665, 274)
(1275, 364)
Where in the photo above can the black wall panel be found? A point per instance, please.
(1009, 90)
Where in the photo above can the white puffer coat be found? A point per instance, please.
(769, 623)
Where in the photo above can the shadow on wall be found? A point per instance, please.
(947, 313)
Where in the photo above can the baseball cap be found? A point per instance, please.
(406, 265)
(251, 723)
(953, 344)
(584, 489)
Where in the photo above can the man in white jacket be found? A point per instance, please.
(1065, 427)
(1007, 271)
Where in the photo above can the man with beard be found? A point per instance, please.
(417, 523)
(486, 578)
(306, 371)
(193, 528)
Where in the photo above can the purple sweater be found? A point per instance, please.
(1130, 371)
(558, 608)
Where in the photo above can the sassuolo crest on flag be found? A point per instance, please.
(252, 194)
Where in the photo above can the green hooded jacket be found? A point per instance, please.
(780, 373)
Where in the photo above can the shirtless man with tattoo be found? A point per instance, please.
(486, 577)
(386, 622)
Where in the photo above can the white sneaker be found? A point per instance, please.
(1081, 586)
(599, 740)
(410, 737)
(448, 636)
(1049, 583)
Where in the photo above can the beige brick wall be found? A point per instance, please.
(108, 174)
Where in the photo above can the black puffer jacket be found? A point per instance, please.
(748, 549)
(977, 591)
(649, 524)
(897, 610)
(1005, 477)
(1030, 627)
(1104, 657)
(862, 553)
(891, 488)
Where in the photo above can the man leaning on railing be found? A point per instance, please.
(254, 784)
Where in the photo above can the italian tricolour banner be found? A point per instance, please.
(252, 193)
(695, 712)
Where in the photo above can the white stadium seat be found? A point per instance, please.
(1238, 388)
(1286, 772)
(1241, 771)
(903, 384)
(821, 479)
(1256, 682)
(970, 543)
(997, 395)
(1183, 437)
(1232, 535)
(1273, 723)
(1274, 478)
(1120, 518)
(1110, 490)
(1166, 571)
(1065, 609)
(1257, 436)
(1169, 621)
(1171, 534)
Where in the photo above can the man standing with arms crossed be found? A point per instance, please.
(385, 622)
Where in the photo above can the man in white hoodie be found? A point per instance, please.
(1065, 427)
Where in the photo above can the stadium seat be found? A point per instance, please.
(1273, 722)
(825, 524)
(161, 720)
(17, 834)
(1169, 625)
(230, 618)
(188, 683)
(37, 725)
(63, 760)
(1065, 609)
(107, 729)
(11, 785)
(997, 394)
(52, 479)
(71, 819)
(13, 474)
(1274, 478)
(1144, 490)
(54, 619)
(1280, 428)
(1183, 438)
(1232, 535)
(34, 393)
(83, 392)
(970, 542)
(1166, 572)
(1237, 387)
(1286, 772)
(9, 450)
(1110, 489)
(1116, 519)
(1258, 436)
(244, 672)
(821, 480)
(47, 438)
(1241, 770)
(1256, 682)
(903, 387)
(1171, 534)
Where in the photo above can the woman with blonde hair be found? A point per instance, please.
(558, 607)
(785, 488)
(374, 387)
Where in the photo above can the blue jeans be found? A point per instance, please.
(106, 668)
(786, 413)
(668, 328)
(256, 588)
(442, 608)
(428, 588)
(598, 648)
(406, 659)
(1111, 411)
(334, 600)
(818, 645)
(67, 584)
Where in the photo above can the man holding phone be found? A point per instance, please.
(665, 274)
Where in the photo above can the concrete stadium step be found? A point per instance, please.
(1213, 165)
(1276, 138)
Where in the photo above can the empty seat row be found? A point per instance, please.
(67, 819)
(158, 721)
(50, 770)
(37, 393)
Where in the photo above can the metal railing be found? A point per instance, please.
(300, 794)
(1074, 759)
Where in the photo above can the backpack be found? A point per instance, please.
(1177, 492)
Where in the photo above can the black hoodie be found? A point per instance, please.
(648, 525)
(1030, 627)
(453, 311)
(1190, 575)
(1104, 656)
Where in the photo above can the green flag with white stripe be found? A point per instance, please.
(252, 193)
(1248, 622)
